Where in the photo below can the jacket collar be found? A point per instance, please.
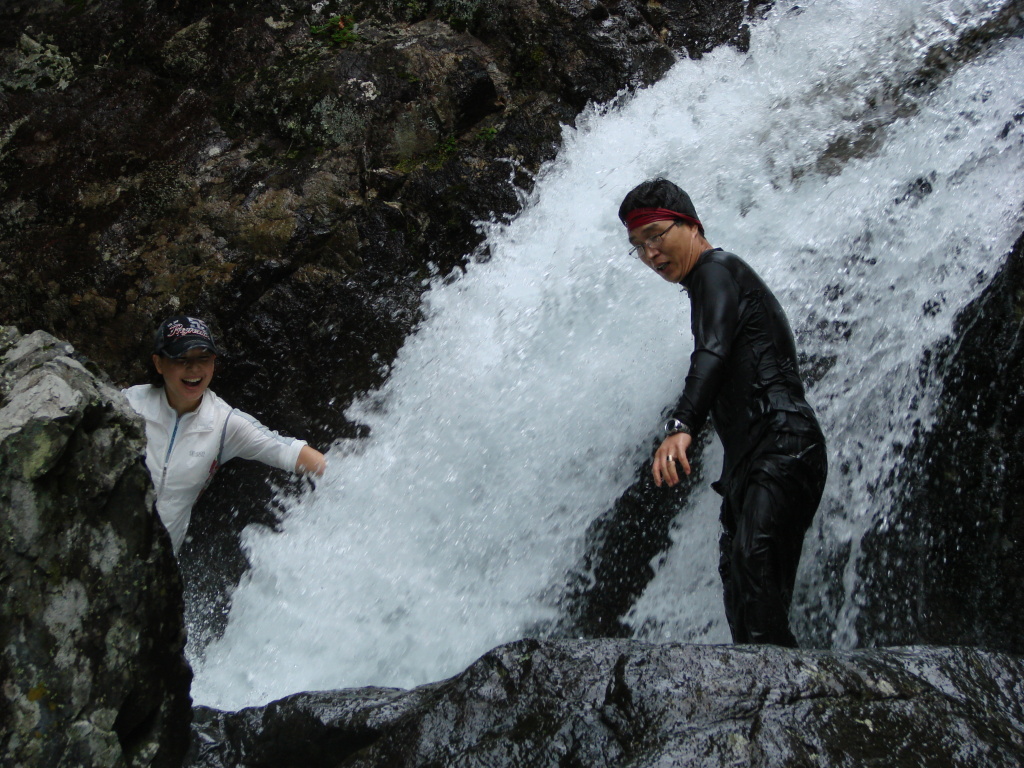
(203, 419)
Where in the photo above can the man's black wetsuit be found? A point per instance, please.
(743, 372)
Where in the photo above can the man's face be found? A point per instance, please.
(665, 247)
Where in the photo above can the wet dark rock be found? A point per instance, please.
(621, 548)
(93, 669)
(615, 702)
(957, 533)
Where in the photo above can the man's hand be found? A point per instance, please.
(671, 451)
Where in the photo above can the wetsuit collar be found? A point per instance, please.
(705, 255)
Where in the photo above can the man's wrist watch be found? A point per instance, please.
(675, 426)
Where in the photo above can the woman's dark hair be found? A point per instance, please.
(154, 377)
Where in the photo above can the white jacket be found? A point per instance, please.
(183, 452)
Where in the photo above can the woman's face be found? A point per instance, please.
(186, 378)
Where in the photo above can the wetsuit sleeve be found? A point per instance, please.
(714, 319)
(246, 438)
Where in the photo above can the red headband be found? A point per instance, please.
(640, 217)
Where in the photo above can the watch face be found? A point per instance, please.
(675, 425)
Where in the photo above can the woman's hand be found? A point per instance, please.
(672, 450)
(310, 462)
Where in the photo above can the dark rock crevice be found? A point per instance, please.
(621, 549)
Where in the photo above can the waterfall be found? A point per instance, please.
(874, 183)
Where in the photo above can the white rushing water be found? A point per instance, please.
(522, 407)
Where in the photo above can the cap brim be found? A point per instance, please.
(188, 346)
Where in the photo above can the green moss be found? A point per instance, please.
(340, 30)
(433, 160)
(40, 452)
(414, 9)
(442, 152)
(462, 15)
(407, 165)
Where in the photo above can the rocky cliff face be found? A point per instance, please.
(292, 175)
(617, 703)
(92, 665)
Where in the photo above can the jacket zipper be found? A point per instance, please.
(167, 456)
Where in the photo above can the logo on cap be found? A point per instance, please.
(196, 327)
(177, 335)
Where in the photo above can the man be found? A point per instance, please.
(743, 372)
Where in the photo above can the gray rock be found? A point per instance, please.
(92, 664)
(601, 703)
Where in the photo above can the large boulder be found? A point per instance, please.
(91, 636)
(596, 703)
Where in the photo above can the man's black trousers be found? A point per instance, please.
(765, 514)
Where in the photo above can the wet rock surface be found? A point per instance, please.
(617, 703)
(92, 667)
(957, 533)
(621, 549)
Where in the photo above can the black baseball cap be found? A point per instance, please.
(181, 333)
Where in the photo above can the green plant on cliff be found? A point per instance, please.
(340, 30)
(462, 15)
(415, 9)
(434, 160)
(444, 150)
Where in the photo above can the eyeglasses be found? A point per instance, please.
(640, 251)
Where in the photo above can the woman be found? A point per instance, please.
(190, 431)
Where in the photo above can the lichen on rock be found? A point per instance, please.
(33, 65)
